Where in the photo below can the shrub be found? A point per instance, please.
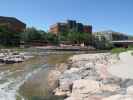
(132, 53)
(130, 47)
(118, 50)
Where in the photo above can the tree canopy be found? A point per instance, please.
(33, 34)
(8, 38)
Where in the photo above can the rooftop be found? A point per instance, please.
(10, 19)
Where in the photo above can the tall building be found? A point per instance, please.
(12, 24)
(79, 27)
(70, 26)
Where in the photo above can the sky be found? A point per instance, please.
(103, 15)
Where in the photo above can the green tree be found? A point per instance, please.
(53, 39)
(31, 34)
(9, 38)
(76, 37)
(63, 36)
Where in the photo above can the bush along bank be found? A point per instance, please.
(119, 50)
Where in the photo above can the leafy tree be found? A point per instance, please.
(63, 36)
(8, 38)
(31, 34)
(130, 37)
(53, 39)
(76, 37)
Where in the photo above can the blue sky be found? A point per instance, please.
(102, 14)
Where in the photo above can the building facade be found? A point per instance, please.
(110, 35)
(87, 29)
(58, 27)
(12, 24)
(70, 26)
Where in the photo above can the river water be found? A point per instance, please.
(28, 80)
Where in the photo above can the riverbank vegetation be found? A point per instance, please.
(132, 53)
(34, 36)
(119, 50)
(30, 35)
(8, 38)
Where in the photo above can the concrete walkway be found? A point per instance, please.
(124, 68)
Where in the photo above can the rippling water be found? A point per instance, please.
(28, 80)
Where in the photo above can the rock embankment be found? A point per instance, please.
(86, 78)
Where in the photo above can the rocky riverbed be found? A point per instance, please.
(86, 77)
(10, 56)
(28, 80)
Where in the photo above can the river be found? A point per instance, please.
(28, 80)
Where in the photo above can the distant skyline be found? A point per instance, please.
(114, 15)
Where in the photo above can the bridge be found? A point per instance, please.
(122, 43)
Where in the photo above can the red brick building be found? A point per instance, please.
(57, 28)
(87, 29)
(70, 25)
(12, 24)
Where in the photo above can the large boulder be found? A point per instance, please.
(67, 79)
(78, 64)
(87, 90)
(83, 88)
(90, 97)
(62, 67)
(53, 78)
(119, 97)
(110, 88)
(59, 92)
(126, 83)
(130, 90)
(88, 71)
(112, 80)
(72, 70)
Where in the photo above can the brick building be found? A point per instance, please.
(12, 24)
(57, 28)
(70, 26)
(87, 29)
